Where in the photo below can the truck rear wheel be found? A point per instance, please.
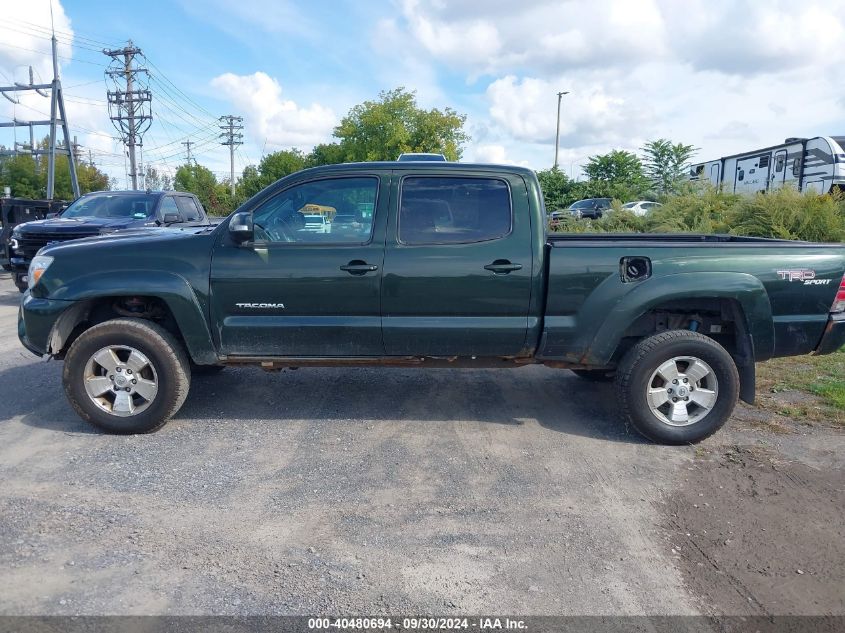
(677, 387)
(126, 376)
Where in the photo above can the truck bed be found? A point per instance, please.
(659, 239)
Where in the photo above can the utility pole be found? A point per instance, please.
(188, 144)
(232, 136)
(76, 151)
(129, 108)
(57, 118)
(557, 132)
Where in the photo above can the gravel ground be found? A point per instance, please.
(400, 491)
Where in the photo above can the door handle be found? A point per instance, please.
(358, 267)
(502, 267)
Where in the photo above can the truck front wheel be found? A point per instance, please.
(677, 387)
(126, 376)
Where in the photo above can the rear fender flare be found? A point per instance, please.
(746, 289)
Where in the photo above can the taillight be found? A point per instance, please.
(839, 301)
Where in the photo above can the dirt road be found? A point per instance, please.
(406, 491)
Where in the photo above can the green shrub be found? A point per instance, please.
(784, 213)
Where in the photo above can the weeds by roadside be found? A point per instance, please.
(818, 380)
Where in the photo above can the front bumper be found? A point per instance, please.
(36, 318)
(833, 338)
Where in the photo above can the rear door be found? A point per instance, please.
(296, 292)
(457, 265)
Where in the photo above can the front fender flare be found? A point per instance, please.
(173, 289)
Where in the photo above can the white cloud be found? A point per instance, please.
(723, 75)
(491, 153)
(271, 118)
(544, 36)
(26, 40)
(527, 109)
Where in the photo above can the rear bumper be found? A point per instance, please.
(833, 338)
(36, 318)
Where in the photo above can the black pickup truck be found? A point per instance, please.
(101, 213)
(434, 265)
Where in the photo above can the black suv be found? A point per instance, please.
(590, 208)
(101, 213)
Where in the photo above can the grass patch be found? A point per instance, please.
(822, 377)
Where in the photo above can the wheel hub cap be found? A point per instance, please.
(682, 391)
(120, 380)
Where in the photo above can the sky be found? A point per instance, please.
(723, 76)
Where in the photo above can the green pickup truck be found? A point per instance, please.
(427, 265)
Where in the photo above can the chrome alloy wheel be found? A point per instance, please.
(682, 391)
(120, 380)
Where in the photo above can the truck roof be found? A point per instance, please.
(425, 166)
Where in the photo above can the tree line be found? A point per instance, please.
(378, 129)
(26, 176)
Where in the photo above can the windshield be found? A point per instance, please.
(629, 205)
(128, 207)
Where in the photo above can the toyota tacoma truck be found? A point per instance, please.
(451, 266)
(101, 213)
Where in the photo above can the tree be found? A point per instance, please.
(325, 154)
(156, 180)
(201, 182)
(556, 187)
(27, 177)
(666, 164)
(617, 174)
(383, 129)
(271, 168)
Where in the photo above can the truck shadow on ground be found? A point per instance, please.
(554, 399)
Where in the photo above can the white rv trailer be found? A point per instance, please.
(807, 164)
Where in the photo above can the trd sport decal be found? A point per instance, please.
(804, 275)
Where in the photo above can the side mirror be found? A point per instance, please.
(52, 215)
(171, 218)
(240, 227)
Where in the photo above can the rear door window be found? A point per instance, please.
(453, 210)
(188, 207)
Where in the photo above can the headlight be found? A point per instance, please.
(13, 244)
(39, 264)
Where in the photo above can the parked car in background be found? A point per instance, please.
(556, 217)
(424, 156)
(101, 213)
(641, 207)
(590, 208)
(14, 211)
(317, 224)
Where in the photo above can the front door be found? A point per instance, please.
(458, 266)
(779, 172)
(305, 288)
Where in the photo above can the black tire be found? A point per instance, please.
(594, 375)
(165, 354)
(635, 373)
(19, 282)
(206, 370)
